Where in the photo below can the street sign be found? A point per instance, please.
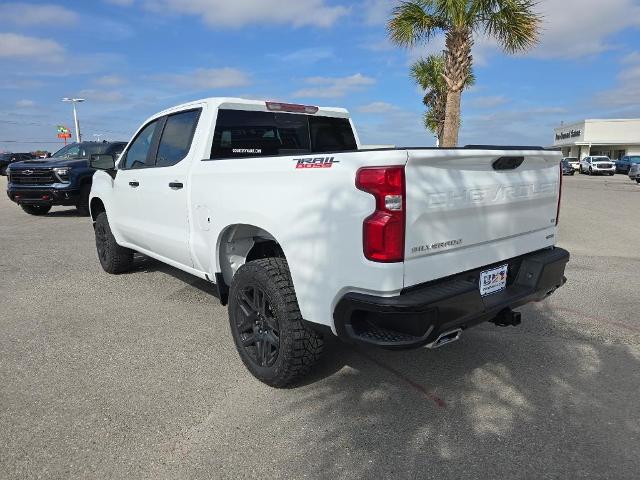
(63, 132)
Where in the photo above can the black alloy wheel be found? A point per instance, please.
(257, 326)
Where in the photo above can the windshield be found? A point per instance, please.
(565, 163)
(81, 150)
(634, 159)
(571, 159)
(601, 159)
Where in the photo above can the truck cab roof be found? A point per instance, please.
(236, 103)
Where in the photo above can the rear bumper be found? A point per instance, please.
(43, 196)
(420, 314)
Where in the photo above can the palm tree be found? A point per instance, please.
(513, 23)
(428, 74)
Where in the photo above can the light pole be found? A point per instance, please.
(75, 115)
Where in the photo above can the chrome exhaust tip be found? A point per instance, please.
(445, 338)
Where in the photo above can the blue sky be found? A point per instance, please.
(131, 58)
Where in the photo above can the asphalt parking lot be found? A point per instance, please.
(136, 376)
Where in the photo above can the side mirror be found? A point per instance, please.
(102, 161)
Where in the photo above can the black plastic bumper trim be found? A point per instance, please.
(420, 313)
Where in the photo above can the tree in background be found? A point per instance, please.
(513, 23)
(429, 75)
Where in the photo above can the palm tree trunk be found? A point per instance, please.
(452, 120)
(456, 71)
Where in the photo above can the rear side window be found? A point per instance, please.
(176, 137)
(241, 133)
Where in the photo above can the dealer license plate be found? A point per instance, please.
(494, 280)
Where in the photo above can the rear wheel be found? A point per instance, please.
(83, 203)
(3, 171)
(113, 258)
(638, 180)
(36, 209)
(273, 342)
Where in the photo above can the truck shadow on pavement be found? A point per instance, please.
(527, 402)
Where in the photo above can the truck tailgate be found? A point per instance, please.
(469, 208)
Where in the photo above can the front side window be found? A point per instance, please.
(136, 156)
(176, 137)
(241, 133)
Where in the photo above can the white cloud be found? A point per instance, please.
(333, 87)
(110, 80)
(225, 13)
(25, 103)
(575, 28)
(22, 47)
(377, 108)
(26, 14)
(377, 11)
(210, 78)
(102, 96)
(626, 94)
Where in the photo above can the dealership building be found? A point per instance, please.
(614, 138)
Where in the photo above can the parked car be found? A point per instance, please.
(624, 164)
(597, 165)
(63, 179)
(567, 168)
(305, 235)
(7, 159)
(573, 161)
(634, 172)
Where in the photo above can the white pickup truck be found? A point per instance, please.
(304, 234)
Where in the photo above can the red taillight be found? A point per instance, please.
(559, 196)
(383, 230)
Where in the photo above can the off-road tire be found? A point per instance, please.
(299, 347)
(36, 209)
(113, 258)
(83, 202)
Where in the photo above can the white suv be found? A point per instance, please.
(599, 165)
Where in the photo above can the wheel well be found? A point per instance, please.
(240, 244)
(97, 207)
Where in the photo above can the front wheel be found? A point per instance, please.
(36, 209)
(113, 258)
(590, 171)
(272, 340)
(637, 180)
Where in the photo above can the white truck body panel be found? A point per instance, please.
(462, 214)
(316, 215)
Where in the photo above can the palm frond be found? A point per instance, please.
(414, 21)
(514, 23)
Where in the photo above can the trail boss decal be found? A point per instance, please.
(318, 162)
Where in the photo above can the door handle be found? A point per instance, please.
(134, 184)
(175, 185)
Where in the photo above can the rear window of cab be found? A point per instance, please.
(241, 133)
